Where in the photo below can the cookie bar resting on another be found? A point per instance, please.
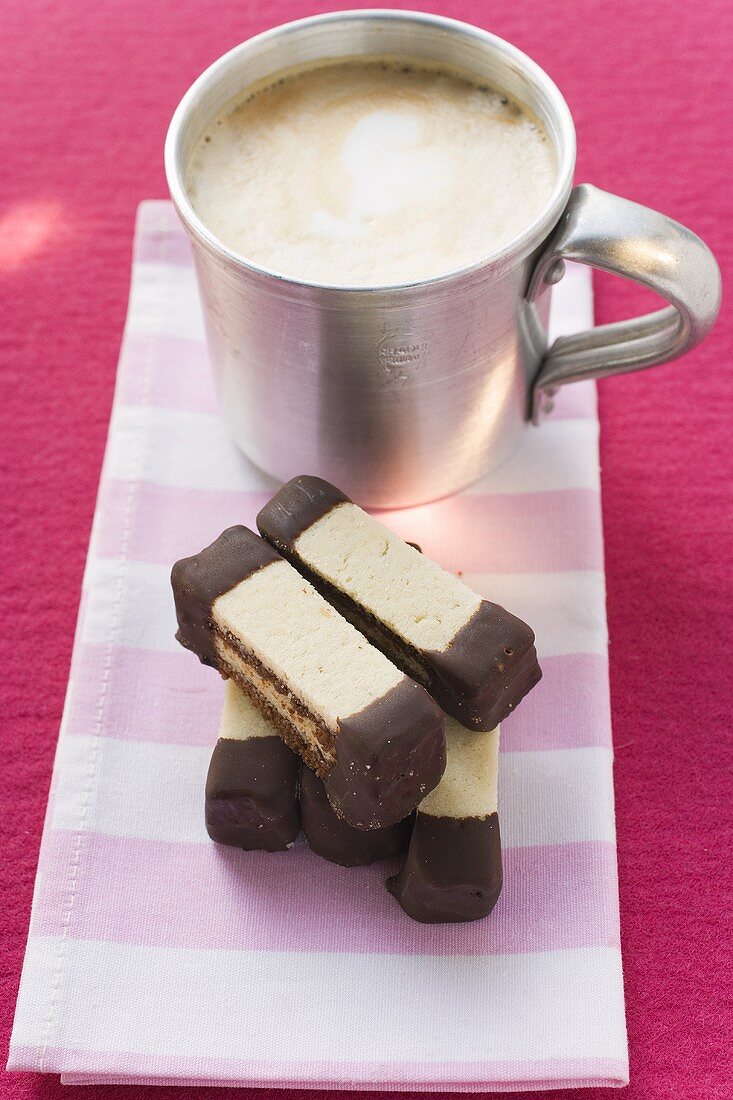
(474, 657)
(453, 869)
(252, 784)
(374, 736)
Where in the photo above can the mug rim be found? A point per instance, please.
(519, 246)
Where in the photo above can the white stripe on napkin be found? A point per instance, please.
(192, 452)
(546, 781)
(568, 1006)
(166, 303)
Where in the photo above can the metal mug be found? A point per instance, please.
(402, 394)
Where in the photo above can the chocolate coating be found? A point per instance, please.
(252, 794)
(294, 508)
(488, 668)
(198, 582)
(388, 757)
(453, 870)
(335, 840)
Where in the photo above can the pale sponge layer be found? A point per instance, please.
(336, 673)
(453, 871)
(240, 718)
(469, 787)
(410, 594)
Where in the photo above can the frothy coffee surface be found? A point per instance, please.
(368, 173)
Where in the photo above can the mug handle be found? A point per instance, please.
(619, 236)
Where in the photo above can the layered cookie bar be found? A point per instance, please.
(334, 839)
(374, 736)
(474, 657)
(252, 783)
(453, 869)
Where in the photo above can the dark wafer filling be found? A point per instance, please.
(406, 657)
(319, 753)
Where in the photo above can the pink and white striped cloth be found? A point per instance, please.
(155, 955)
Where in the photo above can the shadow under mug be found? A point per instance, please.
(402, 394)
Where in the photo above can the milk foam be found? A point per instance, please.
(369, 173)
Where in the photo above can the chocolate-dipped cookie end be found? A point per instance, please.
(199, 580)
(252, 794)
(401, 735)
(300, 503)
(330, 837)
(488, 668)
(453, 871)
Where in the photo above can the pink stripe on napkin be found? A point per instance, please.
(179, 382)
(261, 900)
(499, 534)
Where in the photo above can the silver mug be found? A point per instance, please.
(402, 394)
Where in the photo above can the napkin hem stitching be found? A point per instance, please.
(87, 796)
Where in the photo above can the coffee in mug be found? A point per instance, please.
(422, 219)
(371, 172)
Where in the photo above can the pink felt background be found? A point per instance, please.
(86, 91)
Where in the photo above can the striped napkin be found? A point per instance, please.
(157, 956)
